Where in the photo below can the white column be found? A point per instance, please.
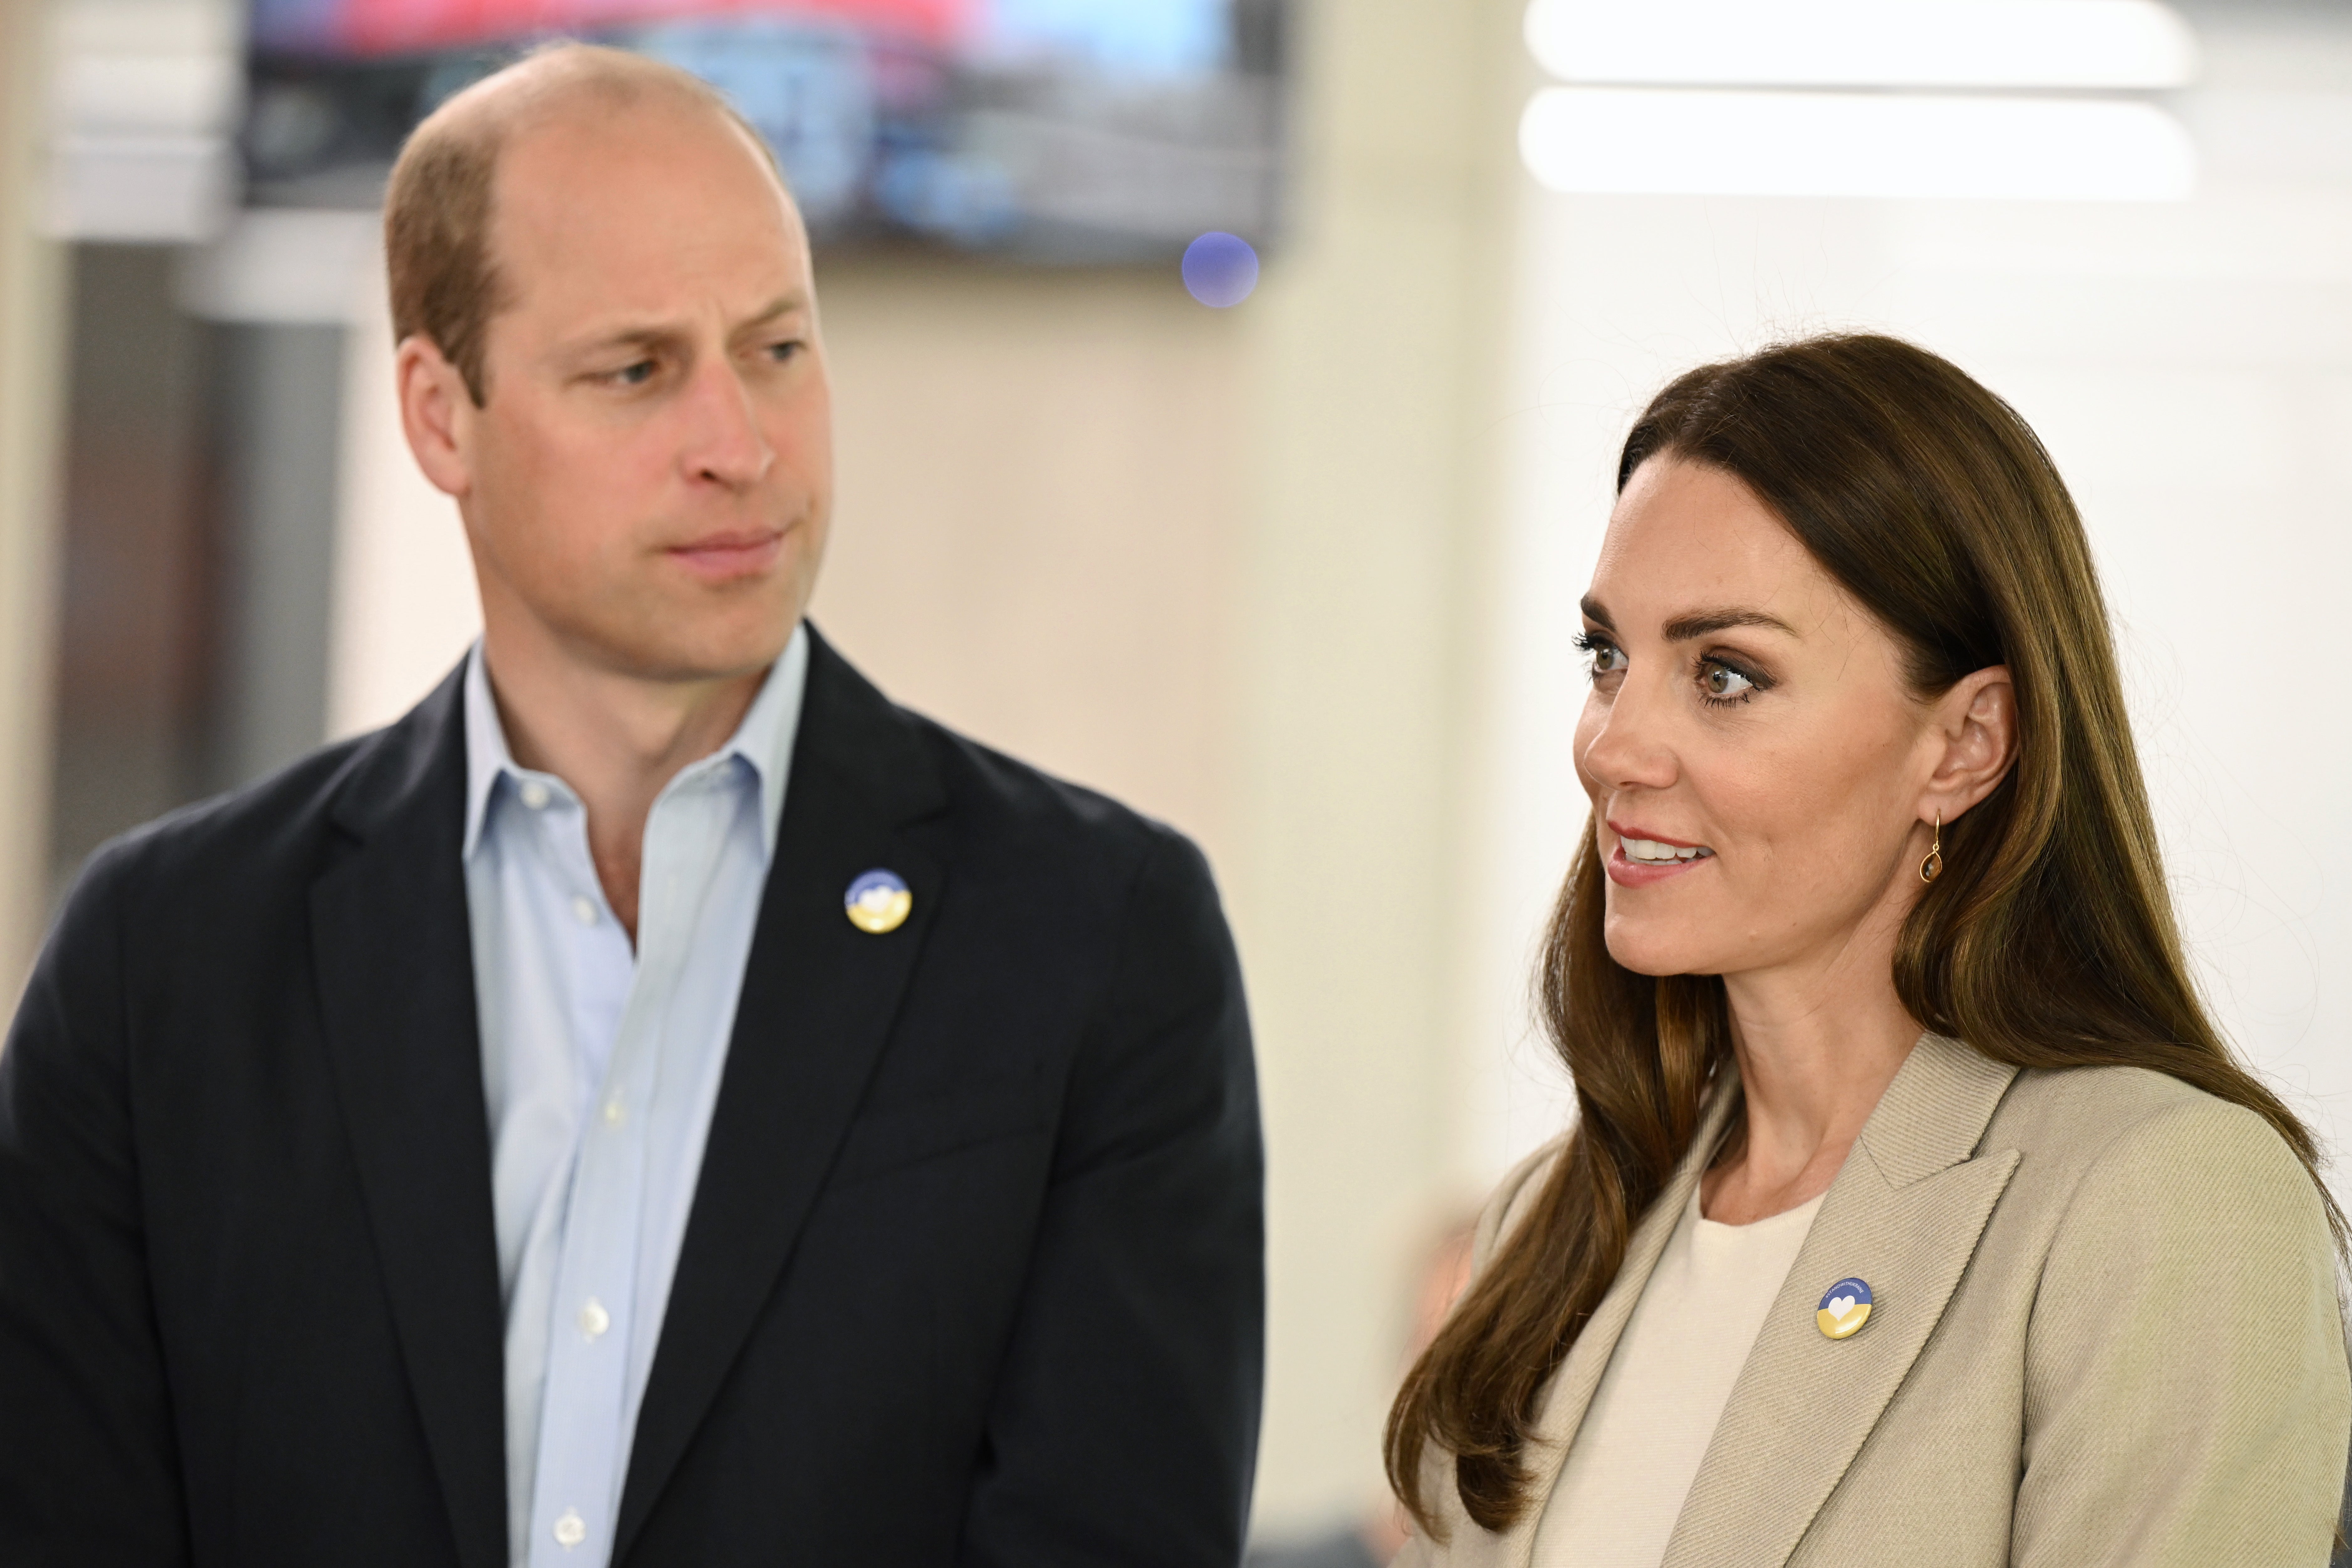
(33, 312)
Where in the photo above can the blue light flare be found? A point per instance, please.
(1220, 270)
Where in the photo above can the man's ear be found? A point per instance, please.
(1976, 722)
(437, 412)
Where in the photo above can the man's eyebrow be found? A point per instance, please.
(630, 336)
(656, 334)
(1596, 612)
(781, 305)
(1684, 628)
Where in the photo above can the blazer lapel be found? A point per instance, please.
(395, 979)
(819, 997)
(1904, 1216)
(1571, 1392)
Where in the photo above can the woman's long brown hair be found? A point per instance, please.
(2048, 942)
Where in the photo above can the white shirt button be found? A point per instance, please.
(534, 795)
(593, 1318)
(582, 911)
(613, 1111)
(571, 1530)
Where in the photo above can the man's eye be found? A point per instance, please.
(783, 351)
(635, 374)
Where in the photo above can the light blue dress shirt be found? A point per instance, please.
(602, 1066)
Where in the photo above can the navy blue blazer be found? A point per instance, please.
(974, 1274)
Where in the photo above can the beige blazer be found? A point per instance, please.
(2107, 1331)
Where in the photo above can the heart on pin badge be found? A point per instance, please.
(878, 903)
(1845, 1307)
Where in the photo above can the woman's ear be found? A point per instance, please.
(1977, 722)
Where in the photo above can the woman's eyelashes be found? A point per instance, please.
(1725, 684)
(1723, 679)
(1601, 657)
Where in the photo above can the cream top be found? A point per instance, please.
(1651, 1419)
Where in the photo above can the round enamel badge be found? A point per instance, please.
(878, 901)
(1845, 1307)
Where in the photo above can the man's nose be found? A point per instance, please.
(725, 445)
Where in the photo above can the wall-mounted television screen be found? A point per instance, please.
(1052, 131)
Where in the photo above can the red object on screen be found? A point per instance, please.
(415, 26)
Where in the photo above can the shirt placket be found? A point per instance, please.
(587, 1406)
(576, 1489)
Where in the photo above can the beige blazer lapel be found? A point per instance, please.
(1572, 1387)
(1904, 1216)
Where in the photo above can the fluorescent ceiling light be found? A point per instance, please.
(1633, 140)
(2098, 44)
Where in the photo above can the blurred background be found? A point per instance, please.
(1291, 565)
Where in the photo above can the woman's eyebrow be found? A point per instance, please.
(1594, 613)
(1703, 623)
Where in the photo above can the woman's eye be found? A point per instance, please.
(1605, 658)
(1722, 683)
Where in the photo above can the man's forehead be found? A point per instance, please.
(643, 201)
(585, 146)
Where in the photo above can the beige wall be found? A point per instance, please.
(1042, 512)
(32, 318)
(1379, 343)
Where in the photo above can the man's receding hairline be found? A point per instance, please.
(552, 84)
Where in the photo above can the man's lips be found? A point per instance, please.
(742, 553)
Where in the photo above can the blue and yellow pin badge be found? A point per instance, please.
(878, 901)
(1845, 1307)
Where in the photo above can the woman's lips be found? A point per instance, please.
(720, 557)
(1629, 873)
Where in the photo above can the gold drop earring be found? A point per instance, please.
(1933, 865)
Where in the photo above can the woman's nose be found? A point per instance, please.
(1630, 747)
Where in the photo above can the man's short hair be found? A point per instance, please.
(446, 285)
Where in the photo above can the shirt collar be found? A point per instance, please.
(487, 757)
(764, 739)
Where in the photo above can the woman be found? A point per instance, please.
(1915, 1210)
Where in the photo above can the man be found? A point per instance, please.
(658, 1102)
